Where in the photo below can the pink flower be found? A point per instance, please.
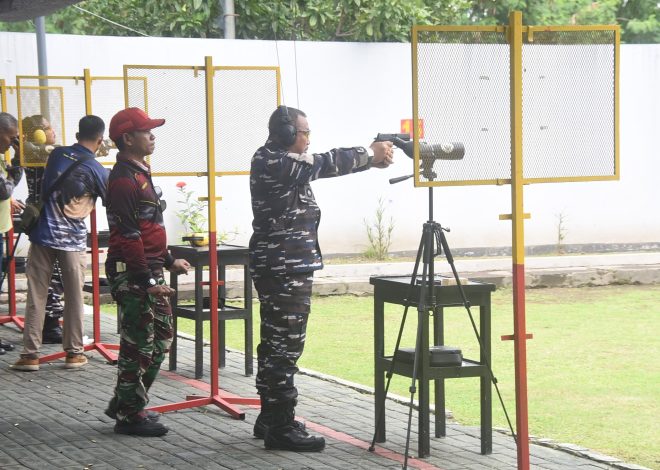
(181, 184)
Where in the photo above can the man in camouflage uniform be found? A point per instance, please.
(284, 254)
(137, 254)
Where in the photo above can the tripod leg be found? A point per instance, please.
(413, 389)
(424, 444)
(421, 358)
(439, 384)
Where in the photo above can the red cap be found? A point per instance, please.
(131, 119)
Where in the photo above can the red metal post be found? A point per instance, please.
(11, 286)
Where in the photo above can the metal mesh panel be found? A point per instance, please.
(62, 103)
(462, 83)
(568, 104)
(244, 99)
(9, 103)
(107, 96)
(176, 94)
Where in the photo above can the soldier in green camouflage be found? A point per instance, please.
(137, 254)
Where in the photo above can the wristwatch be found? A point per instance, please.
(152, 282)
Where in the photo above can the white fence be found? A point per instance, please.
(352, 91)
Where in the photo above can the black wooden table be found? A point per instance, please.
(397, 290)
(199, 311)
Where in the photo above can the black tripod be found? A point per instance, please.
(432, 244)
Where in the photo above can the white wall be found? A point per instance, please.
(352, 91)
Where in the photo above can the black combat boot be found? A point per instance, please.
(144, 428)
(265, 419)
(140, 425)
(52, 333)
(111, 411)
(284, 434)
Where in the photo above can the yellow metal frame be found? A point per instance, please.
(87, 80)
(3, 108)
(19, 78)
(109, 78)
(515, 32)
(126, 78)
(194, 68)
(277, 87)
(415, 96)
(530, 30)
(197, 69)
(19, 110)
(521, 31)
(210, 140)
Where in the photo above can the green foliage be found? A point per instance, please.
(167, 18)
(342, 20)
(379, 233)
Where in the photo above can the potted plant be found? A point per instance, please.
(192, 216)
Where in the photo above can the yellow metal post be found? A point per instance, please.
(518, 240)
(3, 103)
(3, 95)
(88, 91)
(213, 253)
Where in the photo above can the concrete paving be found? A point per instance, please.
(54, 418)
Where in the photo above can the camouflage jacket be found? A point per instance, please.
(286, 216)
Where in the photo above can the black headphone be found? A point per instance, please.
(285, 130)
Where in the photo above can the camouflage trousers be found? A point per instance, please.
(285, 306)
(145, 337)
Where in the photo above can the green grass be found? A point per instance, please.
(593, 367)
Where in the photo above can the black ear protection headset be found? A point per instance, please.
(286, 130)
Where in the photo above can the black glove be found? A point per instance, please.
(15, 173)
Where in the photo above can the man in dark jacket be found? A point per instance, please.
(72, 182)
(284, 253)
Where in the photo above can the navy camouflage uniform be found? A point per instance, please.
(284, 253)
